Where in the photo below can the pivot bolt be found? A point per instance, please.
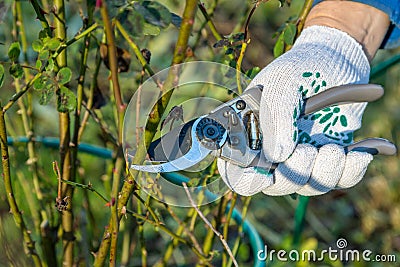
(234, 141)
(240, 104)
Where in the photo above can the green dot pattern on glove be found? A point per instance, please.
(328, 117)
(316, 83)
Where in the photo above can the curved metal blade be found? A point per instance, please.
(196, 153)
(173, 144)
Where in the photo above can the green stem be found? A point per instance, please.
(75, 39)
(301, 20)
(236, 245)
(118, 168)
(143, 250)
(90, 98)
(112, 59)
(226, 225)
(29, 243)
(135, 48)
(210, 23)
(120, 107)
(19, 94)
(239, 66)
(65, 152)
(128, 186)
(299, 219)
(40, 16)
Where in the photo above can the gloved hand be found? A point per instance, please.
(321, 58)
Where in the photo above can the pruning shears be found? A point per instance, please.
(232, 132)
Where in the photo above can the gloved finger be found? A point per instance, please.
(327, 170)
(354, 168)
(294, 173)
(279, 111)
(244, 181)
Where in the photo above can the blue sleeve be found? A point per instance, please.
(392, 8)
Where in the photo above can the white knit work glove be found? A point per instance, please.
(321, 58)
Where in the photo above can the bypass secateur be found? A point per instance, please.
(232, 132)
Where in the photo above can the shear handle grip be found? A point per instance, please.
(342, 94)
(373, 146)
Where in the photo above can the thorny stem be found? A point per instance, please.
(40, 15)
(65, 152)
(210, 236)
(78, 109)
(120, 106)
(155, 222)
(112, 58)
(187, 231)
(26, 114)
(19, 221)
(173, 243)
(301, 20)
(103, 127)
(210, 23)
(239, 66)
(19, 94)
(90, 97)
(235, 249)
(135, 48)
(221, 237)
(128, 187)
(143, 250)
(227, 222)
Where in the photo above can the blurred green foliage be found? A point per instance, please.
(367, 216)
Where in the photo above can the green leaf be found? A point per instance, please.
(237, 37)
(251, 73)
(37, 45)
(136, 22)
(279, 46)
(52, 43)
(14, 51)
(64, 75)
(39, 83)
(43, 55)
(39, 64)
(16, 71)
(307, 74)
(176, 20)
(66, 100)
(46, 95)
(154, 13)
(149, 29)
(50, 65)
(229, 51)
(290, 33)
(43, 34)
(132, 22)
(1, 75)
